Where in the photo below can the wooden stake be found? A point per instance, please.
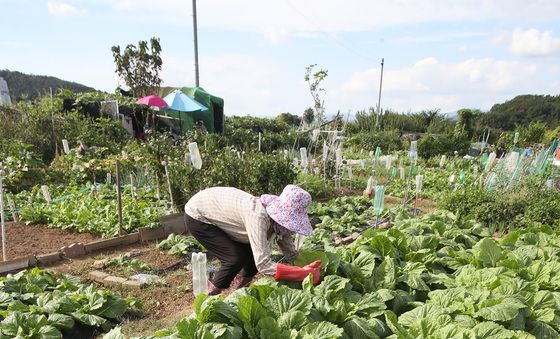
(168, 184)
(4, 249)
(119, 197)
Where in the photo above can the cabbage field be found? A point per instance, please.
(427, 238)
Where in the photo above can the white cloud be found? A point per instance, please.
(533, 42)
(554, 69)
(64, 10)
(276, 35)
(440, 37)
(249, 85)
(317, 15)
(279, 21)
(432, 84)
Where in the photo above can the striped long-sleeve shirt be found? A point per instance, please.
(243, 217)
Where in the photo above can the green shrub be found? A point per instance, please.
(315, 185)
(430, 146)
(544, 207)
(388, 141)
(518, 208)
(21, 166)
(257, 173)
(503, 210)
(464, 202)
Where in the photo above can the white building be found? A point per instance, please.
(4, 93)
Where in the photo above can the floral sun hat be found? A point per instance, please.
(290, 209)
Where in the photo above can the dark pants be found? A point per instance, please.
(235, 257)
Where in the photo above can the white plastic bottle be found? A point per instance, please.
(200, 277)
(195, 155)
(203, 275)
(195, 274)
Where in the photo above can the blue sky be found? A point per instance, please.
(439, 54)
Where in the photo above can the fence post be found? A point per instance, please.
(119, 196)
(12, 207)
(164, 163)
(4, 254)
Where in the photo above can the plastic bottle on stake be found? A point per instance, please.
(491, 181)
(512, 161)
(377, 153)
(490, 162)
(198, 264)
(315, 135)
(419, 182)
(195, 274)
(379, 199)
(370, 184)
(451, 179)
(393, 172)
(46, 194)
(412, 171)
(338, 154)
(195, 155)
(304, 161)
(203, 273)
(413, 149)
(65, 146)
(442, 161)
(484, 160)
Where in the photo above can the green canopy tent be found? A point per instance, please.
(213, 117)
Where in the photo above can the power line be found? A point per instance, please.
(328, 34)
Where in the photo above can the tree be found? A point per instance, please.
(308, 115)
(465, 122)
(524, 109)
(429, 115)
(139, 67)
(533, 133)
(314, 80)
(289, 119)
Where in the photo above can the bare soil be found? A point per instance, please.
(25, 239)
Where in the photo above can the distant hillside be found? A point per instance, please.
(524, 109)
(32, 86)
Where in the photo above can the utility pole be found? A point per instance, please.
(195, 32)
(379, 100)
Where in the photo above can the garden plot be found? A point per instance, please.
(434, 276)
(38, 303)
(37, 239)
(165, 302)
